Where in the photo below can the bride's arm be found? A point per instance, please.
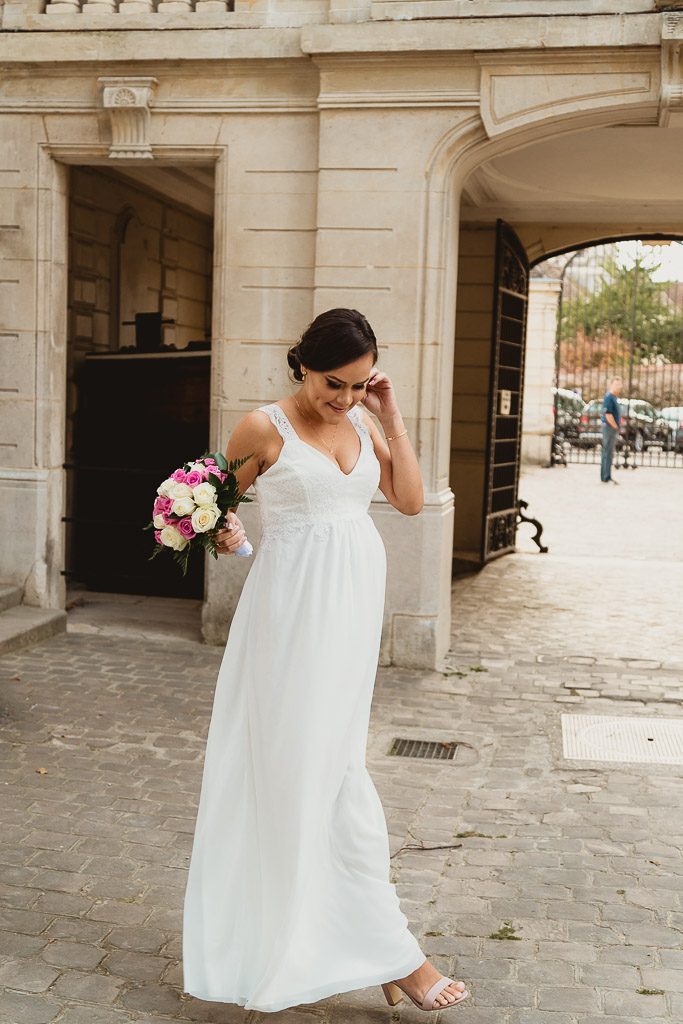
(252, 434)
(400, 479)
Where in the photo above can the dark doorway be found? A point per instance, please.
(140, 281)
(140, 416)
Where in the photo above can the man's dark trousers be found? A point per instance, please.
(609, 440)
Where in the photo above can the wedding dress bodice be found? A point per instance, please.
(304, 488)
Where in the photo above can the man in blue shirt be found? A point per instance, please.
(611, 418)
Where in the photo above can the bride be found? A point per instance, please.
(288, 898)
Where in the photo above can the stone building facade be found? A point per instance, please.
(287, 156)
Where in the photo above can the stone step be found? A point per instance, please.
(22, 626)
(10, 596)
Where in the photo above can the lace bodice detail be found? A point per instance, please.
(304, 488)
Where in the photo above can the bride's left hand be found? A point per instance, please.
(231, 536)
(380, 397)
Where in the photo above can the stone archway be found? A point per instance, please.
(633, 91)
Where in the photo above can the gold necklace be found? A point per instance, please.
(330, 450)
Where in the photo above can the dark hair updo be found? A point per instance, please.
(334, 338)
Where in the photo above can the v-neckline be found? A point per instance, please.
(332, 462)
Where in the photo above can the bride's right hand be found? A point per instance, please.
(227, 541)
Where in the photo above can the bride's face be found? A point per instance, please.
(332, 393)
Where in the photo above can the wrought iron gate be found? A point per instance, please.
(508, 341)
(620, 314)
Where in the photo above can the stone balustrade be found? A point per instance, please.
(134, 7)
(145, 14)
(291, 13)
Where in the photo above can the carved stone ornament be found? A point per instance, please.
(671, 98)
(127, 101)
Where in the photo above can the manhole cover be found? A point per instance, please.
(619, 738)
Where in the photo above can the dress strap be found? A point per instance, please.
(278, 418)
(356, 417)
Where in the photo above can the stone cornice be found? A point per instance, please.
(64, 46)
(66, 39)
(239, 86)
(467, 34)
(420, 9)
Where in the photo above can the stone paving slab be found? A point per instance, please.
(553, 887)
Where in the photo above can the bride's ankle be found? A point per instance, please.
(418, 970)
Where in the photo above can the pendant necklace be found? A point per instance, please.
(330, 450)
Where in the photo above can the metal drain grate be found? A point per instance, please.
(622, 738)
(435, 750)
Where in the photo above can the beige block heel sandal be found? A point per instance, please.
(394, 994)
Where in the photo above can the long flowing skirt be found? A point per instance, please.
(288, 897)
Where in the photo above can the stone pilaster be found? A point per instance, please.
(539, 372)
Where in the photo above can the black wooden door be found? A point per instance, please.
(508, 341)
(139, 417)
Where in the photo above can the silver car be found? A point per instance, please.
(673, 414)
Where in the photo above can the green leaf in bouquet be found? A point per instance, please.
(150, 525)
(232, 495)
(236, 463)
(157, 550)
(182, 557)
(220, 462)
(213, 479)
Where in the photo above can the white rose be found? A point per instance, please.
(205, 517)
(179, 491)
(159, 521)
(182, 507)
(164, 488)
(172, 538)
(204, 493)
(199, 467)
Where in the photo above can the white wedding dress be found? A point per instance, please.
(288, 897)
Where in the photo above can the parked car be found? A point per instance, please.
(639, 426)
(673, 414)
(567, 409)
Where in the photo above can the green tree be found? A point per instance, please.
(625, 302)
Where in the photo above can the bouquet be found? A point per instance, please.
(192, 505)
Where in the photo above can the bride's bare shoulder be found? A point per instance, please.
(253, 433)
(254, 424)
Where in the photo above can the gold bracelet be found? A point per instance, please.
(396, 435)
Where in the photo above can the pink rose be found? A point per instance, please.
(157, 536)
(179, 476)
(210, 462)
(193, 478)
(162, 506)
(184, 526)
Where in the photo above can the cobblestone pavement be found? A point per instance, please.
(553, 887)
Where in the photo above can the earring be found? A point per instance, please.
(303, 373)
